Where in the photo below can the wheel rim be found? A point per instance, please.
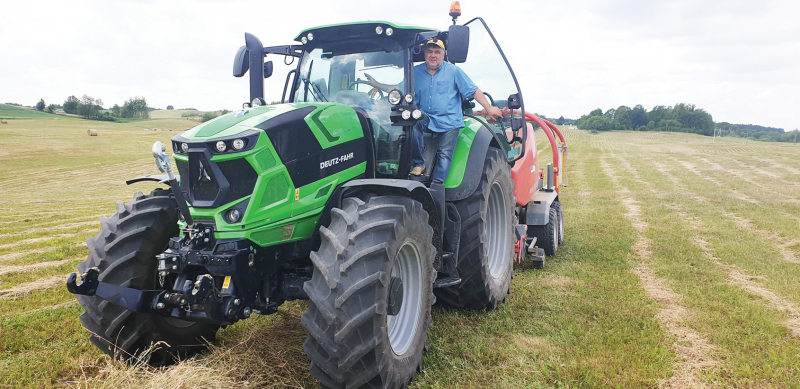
(561, 227)
(555, 233)
(403, 326)
(496, 225)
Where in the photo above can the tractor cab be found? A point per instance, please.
(334, 62)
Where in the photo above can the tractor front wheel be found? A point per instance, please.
(370, 294)
(125, 253)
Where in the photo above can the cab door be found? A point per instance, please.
(488, 68)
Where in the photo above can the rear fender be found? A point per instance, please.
(537, 211)
(476, 157)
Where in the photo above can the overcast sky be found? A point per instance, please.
(737, 59)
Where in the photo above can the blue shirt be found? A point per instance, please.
(439, 95)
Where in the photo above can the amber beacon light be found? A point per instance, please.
(455, 10)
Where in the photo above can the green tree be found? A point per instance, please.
(623, 118)
(135, 107)
(41, 105)
(560, 121)
(596, 112)
(90, 107)
(170, 108)
(638, 116)
(71, 105)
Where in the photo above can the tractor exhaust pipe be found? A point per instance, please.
(256, 52)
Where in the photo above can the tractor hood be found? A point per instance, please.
(237, 122)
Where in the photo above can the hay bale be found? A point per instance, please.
(91, 132)
(4, 121)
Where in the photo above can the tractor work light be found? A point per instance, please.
(221, 146)
(379, 30)
(233, 216)
(389, 31)
(257, 102)
(238, 144)
(409, 98)
(303, 40)
(185, 147)
(395, 96)
(310, 36)
(406, 115)
(416, 114)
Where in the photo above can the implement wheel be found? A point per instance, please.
(125, 253)
(370, 294)
(485, 258)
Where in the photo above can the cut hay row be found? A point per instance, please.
(65, 304)
(27, 288)
(751, 168)
(784, 245)
(53, 228)
(694, 348)
(44, 239)
(20, 254)
(32, 267)
(664, 170)
(88, 170)
(735, 276)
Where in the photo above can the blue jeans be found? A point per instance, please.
(445, 144)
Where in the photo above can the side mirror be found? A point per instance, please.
(267, 69)
(241, 62)
(457, 43)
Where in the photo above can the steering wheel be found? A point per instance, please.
(374, 91)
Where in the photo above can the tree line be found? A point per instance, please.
(90, 108)
(679, 118)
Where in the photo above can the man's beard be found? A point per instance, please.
(433, 68)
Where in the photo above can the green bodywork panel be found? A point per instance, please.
(375, 22)
(277, 211)
(464, 148)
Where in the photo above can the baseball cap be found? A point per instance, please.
(435, 42)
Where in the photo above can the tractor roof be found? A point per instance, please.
(359, 29)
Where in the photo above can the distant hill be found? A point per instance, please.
(16, 112)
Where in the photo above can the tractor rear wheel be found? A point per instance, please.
(125, 253)
(370, 294)
(487, 240)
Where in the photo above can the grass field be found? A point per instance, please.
(679, 269)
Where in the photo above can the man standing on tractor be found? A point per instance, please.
(439, 88)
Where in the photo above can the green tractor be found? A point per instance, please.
(311, 199)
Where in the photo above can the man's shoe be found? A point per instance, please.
(417, 171)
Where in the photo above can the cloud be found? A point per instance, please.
(736, 59)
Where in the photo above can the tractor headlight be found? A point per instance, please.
(310, 36)
(233, 216)
(389, 31)
(303, 40)
(406, 115)
(395, 96)
(238, 144)
(416, 114)
(409, 98)
(185, 147)
(221, 146)
(257, 102)
(379, 30)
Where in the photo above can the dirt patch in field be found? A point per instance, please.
(561, 282)
(532, 343)
(30, 287)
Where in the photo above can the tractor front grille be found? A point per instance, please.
(210, 185)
